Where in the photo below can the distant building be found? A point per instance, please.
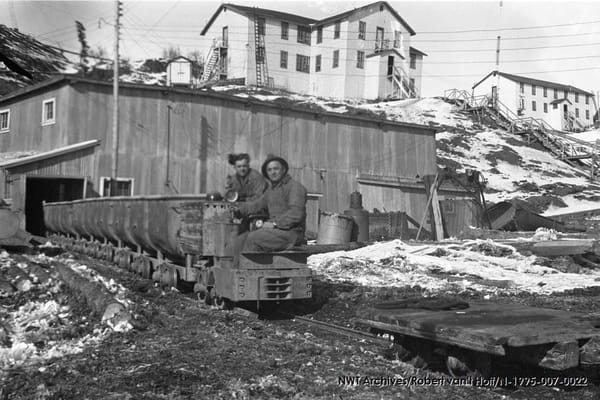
(364, 53)
(179, 72)
(564, 107)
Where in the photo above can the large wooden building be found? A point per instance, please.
(176, 140)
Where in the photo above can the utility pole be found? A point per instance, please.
(115, 136)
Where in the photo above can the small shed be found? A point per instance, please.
(179, 72)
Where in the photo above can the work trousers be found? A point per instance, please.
(268, 240)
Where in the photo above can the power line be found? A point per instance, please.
(511, 29)
(503, 38)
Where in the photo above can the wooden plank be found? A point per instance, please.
(466, 343)
(563, 247)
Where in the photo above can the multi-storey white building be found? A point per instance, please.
(363, 53)
(562, 106)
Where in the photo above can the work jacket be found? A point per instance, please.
(285, 202)
(250, 187)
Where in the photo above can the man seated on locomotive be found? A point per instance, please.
(285, 202)
(248, 183)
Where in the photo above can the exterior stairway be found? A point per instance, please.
(212, 63)
(577, 153)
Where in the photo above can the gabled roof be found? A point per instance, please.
(179, 58)
(536, 82)
(346, 14)
(49, 154)
(249, 11)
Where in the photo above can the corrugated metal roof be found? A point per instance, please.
(49, 154)
(70, 80)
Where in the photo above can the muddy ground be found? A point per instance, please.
(182, 349)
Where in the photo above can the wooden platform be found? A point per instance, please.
(550, 338)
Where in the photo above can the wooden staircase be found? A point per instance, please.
(577, 153)
(401, 85)
(212, 63)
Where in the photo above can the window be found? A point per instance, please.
(360, 59)
(576, 97)
(48, 112)
(411, 82)
(521, 103)
(261, 26)
(566, 93)
(577, 113)
(413, 61)
(336, 59)
(319, 34)
(302, 63)
(397, 39)
(4, 121)
(533, 106)
(555, 106)
(285, 30)
(533, 90)
(318, 63)
(283, 59)
(362, 30)
(555, 94)
(587, 99)
(546, 107)
(522, 87)
(303, 34)
(336, 29)
(545, 92)
(124, 186)
(587, 114)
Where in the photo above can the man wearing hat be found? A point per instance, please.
(246, 182)
(285, 202)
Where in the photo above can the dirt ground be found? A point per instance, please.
(182, 349)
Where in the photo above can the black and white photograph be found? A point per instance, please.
(322, 199)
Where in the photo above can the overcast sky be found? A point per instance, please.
(557, 41)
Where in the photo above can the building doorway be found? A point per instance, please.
(38, 190)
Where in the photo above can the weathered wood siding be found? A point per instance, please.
(325, 152)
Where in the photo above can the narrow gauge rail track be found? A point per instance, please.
(341, 330)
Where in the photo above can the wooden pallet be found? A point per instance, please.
(552, 339)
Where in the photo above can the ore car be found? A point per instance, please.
(176, 240)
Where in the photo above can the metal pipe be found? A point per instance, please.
(115, 135)
(167, 180)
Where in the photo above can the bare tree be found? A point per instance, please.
(171, 52)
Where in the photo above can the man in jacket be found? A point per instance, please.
(285, 202)
(247, 182)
